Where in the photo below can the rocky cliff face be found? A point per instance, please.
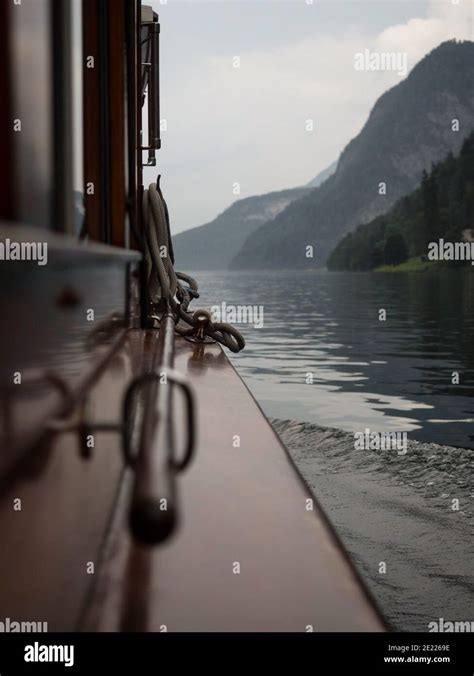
(411, 126)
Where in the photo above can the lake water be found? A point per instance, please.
(387, 375)
(323, 359)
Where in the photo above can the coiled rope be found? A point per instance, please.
(171, 290)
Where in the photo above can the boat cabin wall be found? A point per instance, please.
(71, 116)
(70, 186)
(70, 173)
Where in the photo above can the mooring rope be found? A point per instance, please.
(175, 290)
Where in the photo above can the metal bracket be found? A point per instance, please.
(162, 377)
(81, 422)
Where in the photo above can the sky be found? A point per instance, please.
(294, 101)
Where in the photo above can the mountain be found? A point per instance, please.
(213, 245)
(322, 176)
(409, 128)
(442, 207)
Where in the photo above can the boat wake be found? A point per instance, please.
(406, 520)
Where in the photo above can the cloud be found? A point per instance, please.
(247, 125)
(445, 21)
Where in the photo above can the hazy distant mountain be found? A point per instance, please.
(409, 128)
(212, 246)
(322, 176)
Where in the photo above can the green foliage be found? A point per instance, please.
(409, 128)
(395, 250)
(442, 207)
(416, 264)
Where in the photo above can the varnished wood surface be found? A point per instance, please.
(7, 206)
(91, 112)
(44, 328)
(239, 505)
(66, 503)
(116, 84)
(244, 505)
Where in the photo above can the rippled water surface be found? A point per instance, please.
(387, 375)
(323, 359)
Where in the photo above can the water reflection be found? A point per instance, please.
(323, 356)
